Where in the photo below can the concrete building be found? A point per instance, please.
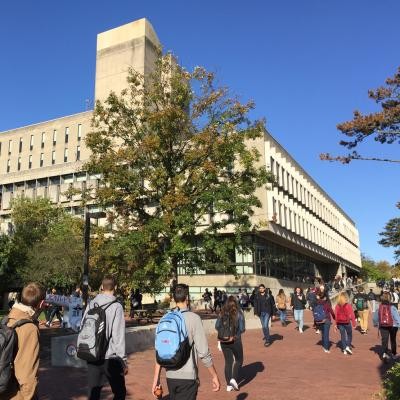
(305, 233)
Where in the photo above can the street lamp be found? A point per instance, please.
(85, 278)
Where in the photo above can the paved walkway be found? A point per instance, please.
(294, 367)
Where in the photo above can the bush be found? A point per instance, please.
(391, 384)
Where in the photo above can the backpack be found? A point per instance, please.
(8, 350)
(172, 341)
(319, 313)
(385, 316)
(92, 339)
(226, 329)
(361, 304)
(342, 316)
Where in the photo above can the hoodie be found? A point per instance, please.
(115, 325)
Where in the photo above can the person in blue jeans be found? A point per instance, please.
(264, 307)
(324, 324)
(298, 303)
(345, 319)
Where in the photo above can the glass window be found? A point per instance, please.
(8, 165)
(19, 164)
(79, 136)
(65, 155)
(20, 145)
(66, 134)
(30, 162)
(53, 157)
(31, 142)
(9, 146)
(54, 137)
(41, 159)
(78, 153)
(43, 139)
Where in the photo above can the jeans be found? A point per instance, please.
(346, 335)
(264, 318)
(282, 315)
(325, 327)
(182, 389)
(233, 355)
(385, 334)
(113, 370)
(299, 318)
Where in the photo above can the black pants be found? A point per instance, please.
(385, 334)
(182, 389)
(233, 355)
(113, 370)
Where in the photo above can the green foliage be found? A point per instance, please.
(172, 150)
(391, 384)
(375, 271)
(5, 268)
(391, 235)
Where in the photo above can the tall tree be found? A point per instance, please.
(383, 125)
(178, 171)
(391, 235)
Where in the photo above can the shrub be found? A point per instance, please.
(391, 384)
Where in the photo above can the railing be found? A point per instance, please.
(349, 290)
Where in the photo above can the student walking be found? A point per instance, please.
(323, 315)
(387, 319)
(24, 348)
(345, 320)
(107, 360)
(281, 302)
(298, 304)
(372, 300)
(183, 382)
(264, 306)
(361, 303)
(207, 300)
(230, 325)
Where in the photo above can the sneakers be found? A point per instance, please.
(326, 350)
(317, 331)
(234, 384)
(267, 344)
(300, 330)
(229, 388)
(385, 357)
(344, 352)
(348, 350)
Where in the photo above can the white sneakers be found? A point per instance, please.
(348, 350)
(317, 331)
(234, 384)
(326, 350)
(300, 330)
(229, 388)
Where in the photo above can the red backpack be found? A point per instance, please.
(342, 316)
(385, 316)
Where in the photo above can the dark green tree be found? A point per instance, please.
(179, 171)
(391, 235)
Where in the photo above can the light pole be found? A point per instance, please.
(86, 235)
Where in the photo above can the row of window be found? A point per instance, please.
(285, 181)
(298, 224)
(41, 159)
(43, 139)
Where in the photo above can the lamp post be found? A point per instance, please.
(86, 235)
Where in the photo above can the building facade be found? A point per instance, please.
(303, 233)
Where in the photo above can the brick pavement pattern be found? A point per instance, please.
(293, 367)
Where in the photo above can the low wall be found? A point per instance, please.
(63, 348)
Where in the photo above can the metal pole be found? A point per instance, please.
(85, 277)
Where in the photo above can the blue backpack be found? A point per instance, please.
(319, 313)
(172, 341)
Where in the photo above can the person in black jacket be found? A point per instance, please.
(298, 303)
(264, 306)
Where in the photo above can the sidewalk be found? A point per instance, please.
(293, 367)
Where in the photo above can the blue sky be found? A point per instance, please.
(307, 64)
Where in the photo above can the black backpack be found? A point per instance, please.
(92, 338)
(226, 329)
(8, 350)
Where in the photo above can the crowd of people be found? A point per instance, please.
(101, 341)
